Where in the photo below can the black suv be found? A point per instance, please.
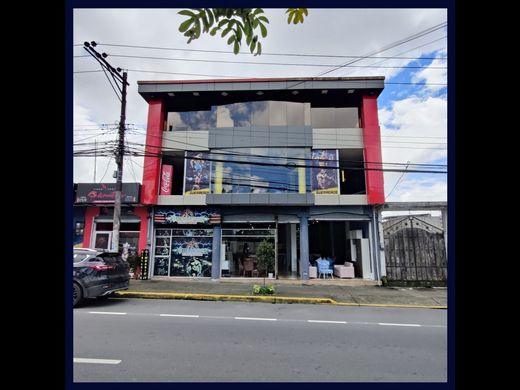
(98, 274)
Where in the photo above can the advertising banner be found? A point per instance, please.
(325, 172)
(187, 216)
(166, 180)
(197, 173)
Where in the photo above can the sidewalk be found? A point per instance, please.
(288, 291)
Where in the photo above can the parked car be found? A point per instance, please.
(98, 274)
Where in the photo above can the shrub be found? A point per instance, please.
(263, 290)
(384, 281)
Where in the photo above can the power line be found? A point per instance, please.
(106, 170)
(263, 53)
(246, 77)
(398, 180)
(261, 63)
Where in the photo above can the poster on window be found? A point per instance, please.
(325, 172)
(197, 173)
(191, 256)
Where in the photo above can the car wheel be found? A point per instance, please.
(77, 294)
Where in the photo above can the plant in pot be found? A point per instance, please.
(265, 257)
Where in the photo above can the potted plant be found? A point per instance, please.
(265, 257)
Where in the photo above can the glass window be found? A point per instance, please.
(263, 170)
(278, 113)
(183, 252)
(259, 113)
(346, 117)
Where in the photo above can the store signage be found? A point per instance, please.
(186, 216)
(106, 193)
(166, 180)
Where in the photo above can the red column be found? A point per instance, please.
(91, 213)
(372, 140)
(153, 147)
(142, 213)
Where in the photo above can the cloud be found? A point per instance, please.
(431, 76)
(427, 190)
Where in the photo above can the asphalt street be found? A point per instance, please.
(148, 340)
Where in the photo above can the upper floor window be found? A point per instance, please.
(264, 113)
(334, 117)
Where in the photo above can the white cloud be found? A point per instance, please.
(427, 190)
(431, 75)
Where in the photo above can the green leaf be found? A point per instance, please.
(259, 49)
(187, 13)
(258, 11)
(249, 38)
(225, 32)
(291, 15)
(238, 33)
(255, 23)
(229, 12)
(210, 16)
(213, 31)
(222, 22)
(263, 19)
(264, 30)
(253, 46)
(304, 10)
(185, 25)
(231, 39)
(236, 48)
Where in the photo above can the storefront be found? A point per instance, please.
(97, 229)
(183, 241)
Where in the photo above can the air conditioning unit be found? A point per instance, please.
(355, 234)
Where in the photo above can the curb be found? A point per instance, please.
(222, 297)
(253, 298)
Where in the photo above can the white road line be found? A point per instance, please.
(255, 319)
(390, 324)
(96, 361)
(179, 315)
(327, 322)
(108, 312)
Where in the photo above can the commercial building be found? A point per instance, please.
(94, 216)
(232, 163)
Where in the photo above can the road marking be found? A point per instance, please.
(96, 361)
(255, 319)
(390, 324)
(327, 322)
(179, 315)
(108, 312)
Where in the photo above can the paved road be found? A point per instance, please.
(189, 341)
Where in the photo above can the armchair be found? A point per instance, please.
(324, 268)
(344, 270)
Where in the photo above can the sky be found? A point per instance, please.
(412, 107)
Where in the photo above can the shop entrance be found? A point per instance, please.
(288, 250)
(239, 248)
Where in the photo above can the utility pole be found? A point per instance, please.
(120, 150)
(119, 162)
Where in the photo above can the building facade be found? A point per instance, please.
(94, 216)
(230, 164)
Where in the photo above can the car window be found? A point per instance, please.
(79, 257)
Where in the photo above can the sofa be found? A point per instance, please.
(313, 272)
(344, 270)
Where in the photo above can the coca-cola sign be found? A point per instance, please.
(106, 193)
(166, 180)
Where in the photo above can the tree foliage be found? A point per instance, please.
(238, 23)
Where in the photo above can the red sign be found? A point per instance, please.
(166, 180)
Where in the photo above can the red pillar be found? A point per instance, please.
(372, 140)
(91, 213)
(152, 164)
(142, 213)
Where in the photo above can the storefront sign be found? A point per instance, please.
(106, 193)
(325, 171)
(197, 175)
(166, 180)
(186, 216)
